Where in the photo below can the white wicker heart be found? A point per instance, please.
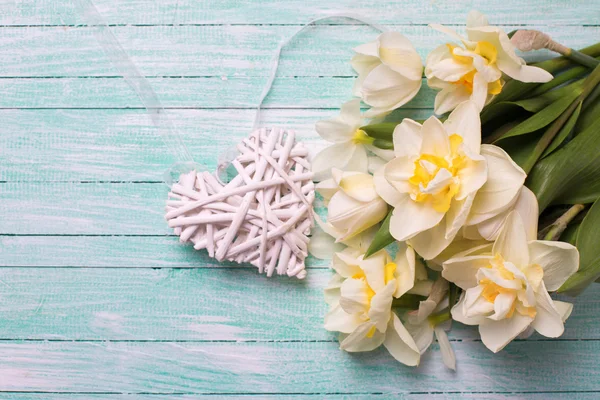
(261, 217)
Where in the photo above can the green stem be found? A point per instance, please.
(558, 227)
(440, 317)
(558, 80)
(582, 59)
(383, 144)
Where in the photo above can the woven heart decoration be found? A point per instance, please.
(262, 216)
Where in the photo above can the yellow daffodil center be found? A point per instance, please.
(489, 53)
(361, 137)
(389, 271)
(428, 166)
(491, 289)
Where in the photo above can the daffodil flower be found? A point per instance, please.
(360, 297)
(349, 152)
(441, 177)
(389, 73)
(473, 68)
(506, 291)
(353, 205)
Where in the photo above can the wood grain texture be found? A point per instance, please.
(283, 367)
(149, 12)
(148, 304)
(216, 50)
(98, 300)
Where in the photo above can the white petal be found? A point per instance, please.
(458, 313)
(410, 218)
(385, 155)
(357, 185)
(435, 139)
(342, 128)
(505, 179)
(405, 269)
(367, 49)
(381, 306)
(358, 341)
(450, 32)
(431, 242)
(457, 216)
(465, 121)
(407, 138)
(449, 70)
(400, 343)
(397, 173)
(480, 91)
(526, 205)
(476, 19)
(449, 98)
(338, 155)
(345, 265)
(363, 65)
(503, 305)
(440, 181)
(448, 356)
(564, 309)
(385, 190)
(495, 335)
(354, 297)
(322, 245)
(472, 177)
(462, 270)
(398, 53)
(332, 291)
(438, 54)
(548, 321)
(523, 73)
(385, 90)
(422, 334)
(512, 241)
(350, 113)
(359, 161)
(559, 260)
(373, 268)
(337, 320)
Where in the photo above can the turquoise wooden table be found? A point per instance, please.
(97, 297)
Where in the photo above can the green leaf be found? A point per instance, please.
(570, 234)
(410, 301)
(589, 253)
(382, 238)
(570, 175)
(384, 130)
(383, 144)
(544, 117)
(564, 131)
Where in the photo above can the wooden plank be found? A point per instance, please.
(125, 304)
(123, 145)
(234, 92)
(410, 396)
(298, 367)
(215, 50)
(175, 12)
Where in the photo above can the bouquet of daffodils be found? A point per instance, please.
(473, 216)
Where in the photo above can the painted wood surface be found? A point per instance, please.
(99, 300)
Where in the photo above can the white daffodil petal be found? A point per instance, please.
(449, 98)
(450, 32)
(361, 339)
(332, 291)
(322, 245)
(431, 242)
(448, 356)
(385, 190)
(559, 260)
(398, 53)
(359, 161)
(397, 173)
(462, 270)
(422, 334)
(548, 320)
(407, 138)
(410, 218)
(357, 185)
(505, 179)
(459, 313)
(367, 49)
(503, 305)
(472, 177)
(350, 113)
(438, 54)
(327, 188)
(335, 130)
(465, 121)
(400, 343)
(480, 91)
(337, 320)
(523, 73)
(435, 139)
(449, 70)
(476, 19)
(338, 155)
(405, 269)
(354, 296)
(512, 241)
(381, 305)
(385, 90)
(564, 309)
(345, 265)
(373, 268)
(495, 335)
